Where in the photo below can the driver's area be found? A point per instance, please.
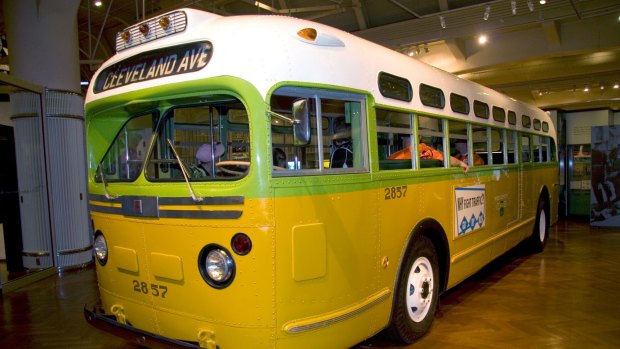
(201, 142)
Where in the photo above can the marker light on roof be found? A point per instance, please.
(164, 22)
(307, 34)
(152, 29)
(144, 29)
(126, 35)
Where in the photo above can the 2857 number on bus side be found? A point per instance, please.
(397, 192)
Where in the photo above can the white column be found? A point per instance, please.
(45, 51)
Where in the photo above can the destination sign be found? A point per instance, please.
(157, 64)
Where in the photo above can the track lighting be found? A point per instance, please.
(513, 6)
(487, 13)
(442, 21)
(530, 5)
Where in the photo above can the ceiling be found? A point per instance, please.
(542, 54)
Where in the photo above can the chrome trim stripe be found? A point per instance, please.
(151, 206)
(211, 200)
(77, 250)
(35, 254)
(233, 214)
(106, 209)
(185, 201)
(309, 324)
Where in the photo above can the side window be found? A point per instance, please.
(394, 133)
(497, 146)
(481, 148)
(432, 96)
(459, 104)
(334, 125)
(481, 109)
(511, 146)
(525, 148)
(431, 142)
(499, 114)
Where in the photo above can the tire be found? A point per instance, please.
(417, 293)
(540, 235)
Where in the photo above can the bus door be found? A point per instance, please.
(325, 208)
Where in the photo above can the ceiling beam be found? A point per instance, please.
(359, 15)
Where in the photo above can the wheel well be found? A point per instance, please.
(431, 229)
(544, 194)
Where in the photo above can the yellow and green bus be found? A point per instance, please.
(245, 189)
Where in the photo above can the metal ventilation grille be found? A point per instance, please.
(133, 36)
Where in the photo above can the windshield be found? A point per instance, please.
(207, 140)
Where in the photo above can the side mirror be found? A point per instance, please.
(301, 122)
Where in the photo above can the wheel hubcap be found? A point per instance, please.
(420, 293)
(542, 223)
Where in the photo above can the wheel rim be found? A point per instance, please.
(420, 289)
(542, 225)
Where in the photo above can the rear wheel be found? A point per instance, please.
(539, 237)
(417, 293)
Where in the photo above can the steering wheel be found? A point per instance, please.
(222, 166)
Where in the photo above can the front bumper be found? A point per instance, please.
(131, 334)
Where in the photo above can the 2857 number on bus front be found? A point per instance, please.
(153, 289)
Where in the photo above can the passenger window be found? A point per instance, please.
(337, 128)
(541, 148)
(394, 132)
(430, 144)
(497, 146)
(459, 143)
(511, 146)
(481, 147)
(525, 148)
(512, 117)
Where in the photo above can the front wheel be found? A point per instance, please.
(539, 236)
(417, 293)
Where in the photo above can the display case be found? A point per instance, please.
(579, 172)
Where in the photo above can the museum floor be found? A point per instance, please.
(566, 297)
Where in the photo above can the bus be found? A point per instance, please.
(245, 193)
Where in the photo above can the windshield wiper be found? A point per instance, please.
(184, 171)
(105, 184)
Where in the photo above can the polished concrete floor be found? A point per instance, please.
(566, 297)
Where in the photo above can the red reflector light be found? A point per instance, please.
(241, 244)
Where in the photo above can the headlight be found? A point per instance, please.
(216, 266)
(100, 246)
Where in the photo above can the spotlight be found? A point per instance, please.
(530, 5)
(586, 89)
(482, 39)
(616, 85)
(442, 21)
(98, 3)
(487, 13)
(542, 2)
(513, 6)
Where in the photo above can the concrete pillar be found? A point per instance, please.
(51, 152)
